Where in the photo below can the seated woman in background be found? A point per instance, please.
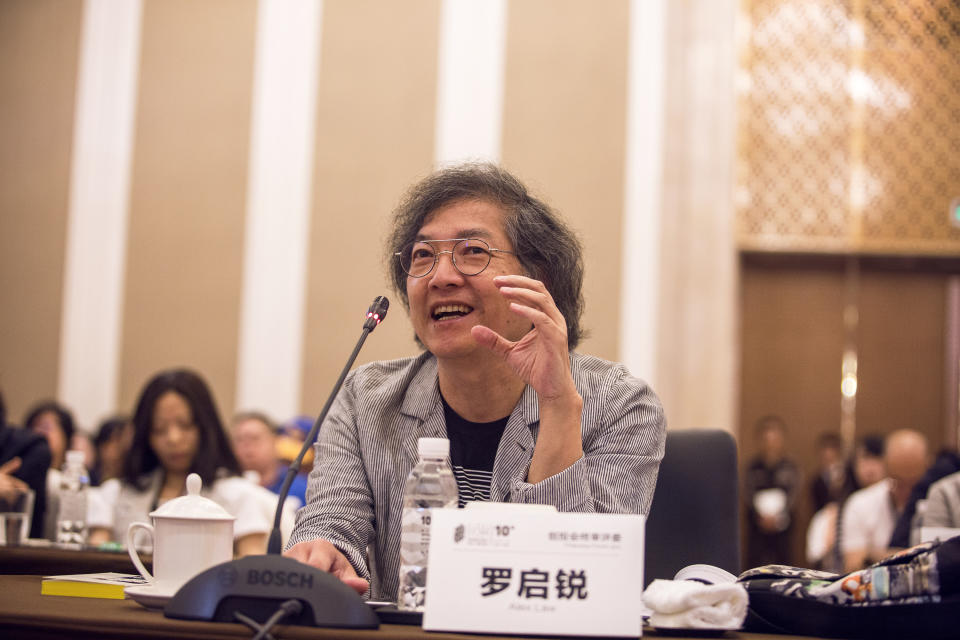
(55, 423)
(112, 444)
(177, 431)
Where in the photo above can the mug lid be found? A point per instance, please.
(193, 505)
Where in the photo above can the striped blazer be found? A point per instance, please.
(368, 445)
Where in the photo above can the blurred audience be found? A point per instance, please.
(111, 445)
(866, 467)
(178, 431)
(868, 462)
(255, 443)
(833, 478)
(24, 461)
(55, 422)
(293, 433)
(81, 441)
(906, 533)
(870, 514)
(943, 503)
(772, 485)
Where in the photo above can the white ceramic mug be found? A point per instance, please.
(190, 534)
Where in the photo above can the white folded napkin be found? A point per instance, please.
(694, 605)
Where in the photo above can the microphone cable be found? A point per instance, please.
(290, 607)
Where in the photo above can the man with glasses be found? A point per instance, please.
(491, 279)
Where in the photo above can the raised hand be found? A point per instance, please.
(540, 358)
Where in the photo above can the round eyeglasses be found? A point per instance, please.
(470, 256)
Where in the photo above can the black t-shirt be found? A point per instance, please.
(473, 448)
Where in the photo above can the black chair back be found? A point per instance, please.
(694, 517)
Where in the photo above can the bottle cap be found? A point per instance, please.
(433, 447)
(75, 456)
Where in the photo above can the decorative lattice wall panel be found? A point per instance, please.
(849, 125)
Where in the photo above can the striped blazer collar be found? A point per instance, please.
(422, 398)
(422, 404)
(422, 407)
(516, 446)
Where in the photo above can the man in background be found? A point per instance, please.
(833, 479)
(255, 444)
(773, 481)
(825, 530)
(870, 514)
(907, 531)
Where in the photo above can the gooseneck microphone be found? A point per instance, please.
(375, 315)
(261, 590)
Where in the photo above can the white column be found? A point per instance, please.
(278, 206)
(643, 180)
(98, 209)
(470, 80)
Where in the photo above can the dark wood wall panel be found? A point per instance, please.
(901, 353)
(792, 341)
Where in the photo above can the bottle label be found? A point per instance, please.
(414, 546)
(415, 535)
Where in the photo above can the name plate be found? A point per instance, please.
(515, 570)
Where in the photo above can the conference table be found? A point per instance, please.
(24, 613)
(48, 559)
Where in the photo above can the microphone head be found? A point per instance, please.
(376, 313)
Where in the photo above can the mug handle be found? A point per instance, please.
(132, 550)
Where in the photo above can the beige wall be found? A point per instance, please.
(187, 205)
(38, 69)
(374, 136)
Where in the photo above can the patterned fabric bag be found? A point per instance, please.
(912, 594)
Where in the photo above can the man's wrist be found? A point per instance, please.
(566, 404)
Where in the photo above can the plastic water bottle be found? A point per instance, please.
(429, 486)
(72, 516)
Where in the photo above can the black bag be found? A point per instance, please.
(912, 594)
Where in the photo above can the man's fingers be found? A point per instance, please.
(535, 296)
(514, 280)
(536, 317)
(346, 573)
(323, 555)
(487, 337)
(359, 585)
